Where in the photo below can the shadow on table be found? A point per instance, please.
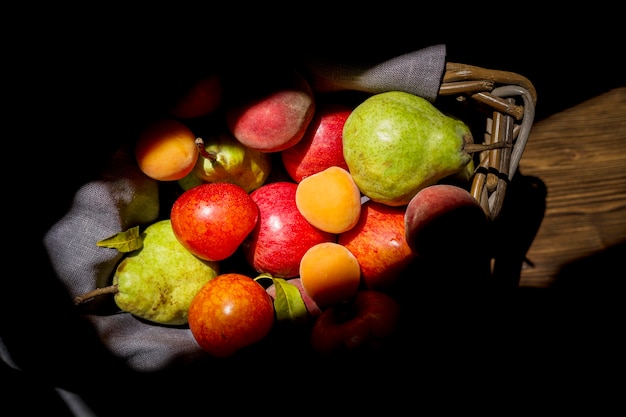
(590, 292)
(602, 272)
(516, 227)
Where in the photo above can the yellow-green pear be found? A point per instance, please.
(397, 143)
(158, 281)
(225, 159)
(190, 180)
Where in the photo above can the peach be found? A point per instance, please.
(330, 200)
(329, 273)
(166, 150)
(444, 221)
(275, 118)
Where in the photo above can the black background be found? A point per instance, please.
(79, 83)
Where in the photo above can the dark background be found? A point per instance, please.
(81, 85)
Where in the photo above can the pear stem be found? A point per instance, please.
(88, 296)
(479, 147)
(212, 156)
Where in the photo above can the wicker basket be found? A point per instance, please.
(505, 100)
(508, 101)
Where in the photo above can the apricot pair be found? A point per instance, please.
(331, 201)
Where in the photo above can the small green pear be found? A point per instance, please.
(190, 180)
(224, 159)
(158, 281)
(397, 143)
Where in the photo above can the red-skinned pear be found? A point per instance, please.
(378, 241)
(322, 145)
(282, 235)
(211, 220)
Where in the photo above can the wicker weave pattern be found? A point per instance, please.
(512, 99)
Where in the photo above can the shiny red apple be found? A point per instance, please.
(212, 220)
(378, 242)
(282, 235)
(364, 323)
(230, 312)
(321, 146)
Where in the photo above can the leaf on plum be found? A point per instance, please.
(126, 241)
(288, 302)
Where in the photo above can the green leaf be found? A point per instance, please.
(126, 241)
(288, 302)
(265, 276)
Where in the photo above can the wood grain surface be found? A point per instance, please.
(579, 155)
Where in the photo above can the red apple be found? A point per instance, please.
(444, 222)
(230, 312)
(364, 323)
(282, 235)
(379, 244)
(272, 114)
(321, 146)
(211, 220)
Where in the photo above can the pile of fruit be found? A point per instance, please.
(291, 206)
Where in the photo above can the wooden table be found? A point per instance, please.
(580, 156)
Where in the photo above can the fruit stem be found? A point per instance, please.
(81, 299)
(205, 154)
(479, 147)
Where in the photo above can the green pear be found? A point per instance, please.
(190, 180)
(396, 143)
(224, 159)
(158, 281)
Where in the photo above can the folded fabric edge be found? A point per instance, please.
(419, 72)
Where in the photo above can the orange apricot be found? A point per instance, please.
(166, 150)
(330, 200)
(329, 273)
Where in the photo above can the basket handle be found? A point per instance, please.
(458, 73)
(509, 123)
